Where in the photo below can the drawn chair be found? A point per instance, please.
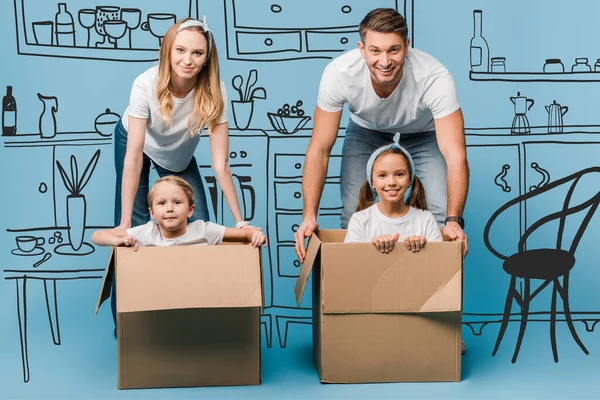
(546, 264)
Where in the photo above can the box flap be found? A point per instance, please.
(107, 280)
(357, 278)
(314, 245)
(179, 277)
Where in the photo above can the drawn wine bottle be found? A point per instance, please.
(9, 114)
(480, 51)
(65, 28)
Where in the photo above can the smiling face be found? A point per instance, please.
(170, 208)
(188, 53)
(384, 54)
(391, 177)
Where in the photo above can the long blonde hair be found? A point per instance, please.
(208, 99)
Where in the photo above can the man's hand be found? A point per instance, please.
(306, 229)
(454, 232)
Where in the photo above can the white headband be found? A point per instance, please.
(202, 24)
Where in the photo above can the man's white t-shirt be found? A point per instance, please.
(425, 91)
(198, 233)
(170, 146)
(369, 223)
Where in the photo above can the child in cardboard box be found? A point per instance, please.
(171, 203)
(400, 214)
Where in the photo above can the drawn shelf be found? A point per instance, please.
(535, 76)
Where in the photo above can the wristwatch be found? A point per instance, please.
(459, 220)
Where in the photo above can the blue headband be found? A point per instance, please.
(202, 24)
(376, 153)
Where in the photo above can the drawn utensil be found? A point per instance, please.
(42, 260)
(258, 93)
(252, 78)
(237, 83)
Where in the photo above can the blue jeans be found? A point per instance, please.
(430, 166)
(141, 215)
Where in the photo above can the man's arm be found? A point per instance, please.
(324, 134)
(450, 135)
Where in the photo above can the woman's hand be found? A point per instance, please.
(127, 241)
(385, 243)
(415, 243)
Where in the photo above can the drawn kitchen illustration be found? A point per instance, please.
(525, 114)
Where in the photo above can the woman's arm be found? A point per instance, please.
(219, 149)
(132, 166)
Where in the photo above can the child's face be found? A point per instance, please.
(391, 177)
(170, 208)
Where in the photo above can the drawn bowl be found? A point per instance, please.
(289, 124)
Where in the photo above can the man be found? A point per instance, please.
(388, 89)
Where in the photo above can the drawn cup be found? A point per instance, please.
(28, 243)
(158, 24)
(43, 32)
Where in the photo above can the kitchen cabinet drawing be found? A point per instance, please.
(85, 30)
(290, 30)
(499, 68)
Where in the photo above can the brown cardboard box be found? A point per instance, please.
(187, 315)
(378, 317)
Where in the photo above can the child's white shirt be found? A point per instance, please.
(369, 223)
(197, 233)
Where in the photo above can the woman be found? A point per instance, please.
(170, 105)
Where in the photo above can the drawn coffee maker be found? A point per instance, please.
(29, 246)
(158, 24)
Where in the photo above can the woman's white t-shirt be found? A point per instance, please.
(198, 232)
(170, 146)
(369, 223)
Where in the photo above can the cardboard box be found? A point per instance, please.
(378, 317)
(187, 315)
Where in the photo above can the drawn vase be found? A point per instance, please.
(242, 113)
(47, 123)
(76, 211)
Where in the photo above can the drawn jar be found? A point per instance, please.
(554, 66)
(498, 64)
(581, 65)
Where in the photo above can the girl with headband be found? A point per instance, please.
(400, 214)
(170, 105)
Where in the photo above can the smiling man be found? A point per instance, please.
(389, 88)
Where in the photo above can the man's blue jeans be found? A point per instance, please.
(430, 166)
(141, 214)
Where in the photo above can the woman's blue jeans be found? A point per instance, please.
(141, 214)
(430, 166)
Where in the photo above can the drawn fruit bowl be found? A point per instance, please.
(288, 120)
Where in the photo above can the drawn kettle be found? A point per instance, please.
(47, 122)
(555, 117)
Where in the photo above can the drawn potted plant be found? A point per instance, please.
(244, 107)
(76, 204)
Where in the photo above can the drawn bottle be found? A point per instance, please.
(9, 114)
(65, 28)
(480, 51)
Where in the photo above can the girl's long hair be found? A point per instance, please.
(417, 198)
(208, 99)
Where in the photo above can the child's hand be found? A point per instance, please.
(257, 238)
(415, 243)
(127, 241)
(385, 243)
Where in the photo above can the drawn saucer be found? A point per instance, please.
(35, 252)
(66, 249)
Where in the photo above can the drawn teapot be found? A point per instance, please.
(555, 117)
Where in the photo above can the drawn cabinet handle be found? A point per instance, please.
(276, 8)
(545, 176)
(500, 179)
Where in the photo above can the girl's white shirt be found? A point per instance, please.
(369, 223)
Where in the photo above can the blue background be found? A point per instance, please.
(53, 346)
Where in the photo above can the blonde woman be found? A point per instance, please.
(169, 107)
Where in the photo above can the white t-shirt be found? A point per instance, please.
(426, 91)
(198, 232)
(368, 223)
(170, 146)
